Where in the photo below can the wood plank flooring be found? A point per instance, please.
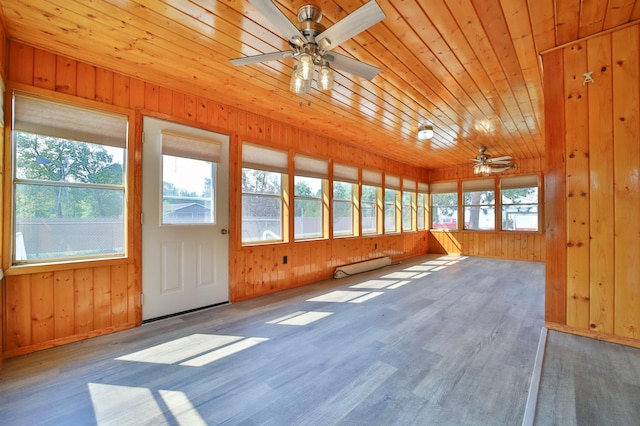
(588, 382)
(438, 340)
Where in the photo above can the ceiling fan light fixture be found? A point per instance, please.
(298, 85)
(305, 66)
(325, 77)
(425, 131)
(482, 169)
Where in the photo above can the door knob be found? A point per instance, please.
(224, 231)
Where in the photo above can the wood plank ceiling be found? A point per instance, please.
(470, 66)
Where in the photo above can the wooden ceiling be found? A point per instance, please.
(470, 66)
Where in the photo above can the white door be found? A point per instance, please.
(185, 207)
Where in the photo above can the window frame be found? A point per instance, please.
(479, 186)
(346, 175)
(271, 160)
(283, 178)
(312, 168)
(392, 202)
(441, 188)
(521, 182)
(321, 199)
(409, 188)
(371, 179)
(422, 208)
(352, 202)
(129, 166)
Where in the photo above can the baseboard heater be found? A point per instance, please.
(356, 268)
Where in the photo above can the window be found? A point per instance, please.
(444, 205)
(392, 204)
(519, 203)
(479, 204)
(188, 179)
(310, 190)
(408, 204)
(68, 183)
(369, 203)
(421, 205)
(264, 189)
(345, 200)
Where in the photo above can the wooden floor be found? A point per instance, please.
(439, 340)
(588, 382)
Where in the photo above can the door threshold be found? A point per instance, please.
(183, 312)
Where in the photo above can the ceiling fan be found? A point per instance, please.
(485, 164)
(311, 43)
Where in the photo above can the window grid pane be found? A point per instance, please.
(421, 211)
(188, 191)
(444, 210)
(520, 209)
(262, 206)
(343, 209)
(407, 211)
(479, 210)
(369, 209)
(390, 214)
(67, 222)
(308, 209)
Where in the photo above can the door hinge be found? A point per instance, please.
(141, 218)
(141, 299)
(144, 137)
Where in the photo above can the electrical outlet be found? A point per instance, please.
(284, 260)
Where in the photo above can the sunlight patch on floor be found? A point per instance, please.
(401, 275)
(181, 408)
(124, 405)
(338, 296)
(224, 352)
(366, 297)
(180, 349)
(399, 284)
(300, 318)
(195, 350)
(374, 284)
(128, 405)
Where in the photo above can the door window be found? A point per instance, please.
(188, 180)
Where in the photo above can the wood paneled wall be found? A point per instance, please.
(504, 245)
(593, 189)
(45, 307)
(3, 77)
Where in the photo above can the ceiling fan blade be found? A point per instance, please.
(499, 162)
(504, 157)
(354, 23)
(279, 20)
(275, 56)
(502, 169)
(352, 66)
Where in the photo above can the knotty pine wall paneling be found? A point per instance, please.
(498, 244)
(48, 307)
(593, 190)
(3, 79)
